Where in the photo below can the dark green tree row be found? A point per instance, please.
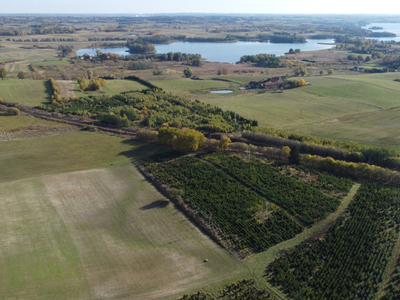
(300, 199)
(350, 261)
(262, 60)
(246, 289)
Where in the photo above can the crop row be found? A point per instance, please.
(300, 199)
(236, 210)
(349, 263)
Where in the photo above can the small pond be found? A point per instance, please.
(221, 92)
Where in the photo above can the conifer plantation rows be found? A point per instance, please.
(228, 205)
(305, 202)
(232, 199)
(350, 261)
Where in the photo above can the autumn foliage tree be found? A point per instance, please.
(188, 140)
(224, 142)
(182, 140)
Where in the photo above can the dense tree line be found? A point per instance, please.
(348, 151)
(262, 60)
(135, 47)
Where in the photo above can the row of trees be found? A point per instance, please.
(93, 85)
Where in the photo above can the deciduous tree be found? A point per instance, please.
(224, 142)
(3, 73)
(21, 75)
(188, 72)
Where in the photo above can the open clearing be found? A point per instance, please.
(101, 234)
(66, 88)
(27, 92)
(112, 87)
(65, 153)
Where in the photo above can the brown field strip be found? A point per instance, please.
(66, 88)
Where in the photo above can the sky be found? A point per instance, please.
(203, 6)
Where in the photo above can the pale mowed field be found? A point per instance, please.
(102, 233)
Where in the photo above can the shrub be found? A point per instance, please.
(13, 111)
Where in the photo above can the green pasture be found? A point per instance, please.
(342, 107)
(12, 52)
(112, 87)
(62, 62)
(378, 128)
(103, 233)
(26, 91)
(8, 123)
(65, 153)
(191, 88)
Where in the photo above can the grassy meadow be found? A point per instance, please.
(358, 107)
(27, 92)
(8, 123)
(112, 87)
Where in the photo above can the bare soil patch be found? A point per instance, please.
(66, 88)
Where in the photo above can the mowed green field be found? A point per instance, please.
(27, 92)
(192, 88)
(360, 107)
(8, 123)
(79, 221)
(113, 87)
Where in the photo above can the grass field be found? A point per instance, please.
(8, 123)
(64, 153)
(193, 88)
(13, 51)
(101, 234)
(79, 222)
(113, 87)
(360, 107)
(26, 91)
(62, 62)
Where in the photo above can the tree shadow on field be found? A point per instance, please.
(142, 150)
(49, 90)
(156, 204)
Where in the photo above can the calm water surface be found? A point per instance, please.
(389, 27)
(223, 52)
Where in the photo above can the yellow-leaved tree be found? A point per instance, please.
(188, 140)
(224, 142)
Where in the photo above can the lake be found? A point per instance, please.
(223, 52)
(389, 27)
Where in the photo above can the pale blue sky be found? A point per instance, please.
(203, 6)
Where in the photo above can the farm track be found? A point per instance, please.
(296, 219)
